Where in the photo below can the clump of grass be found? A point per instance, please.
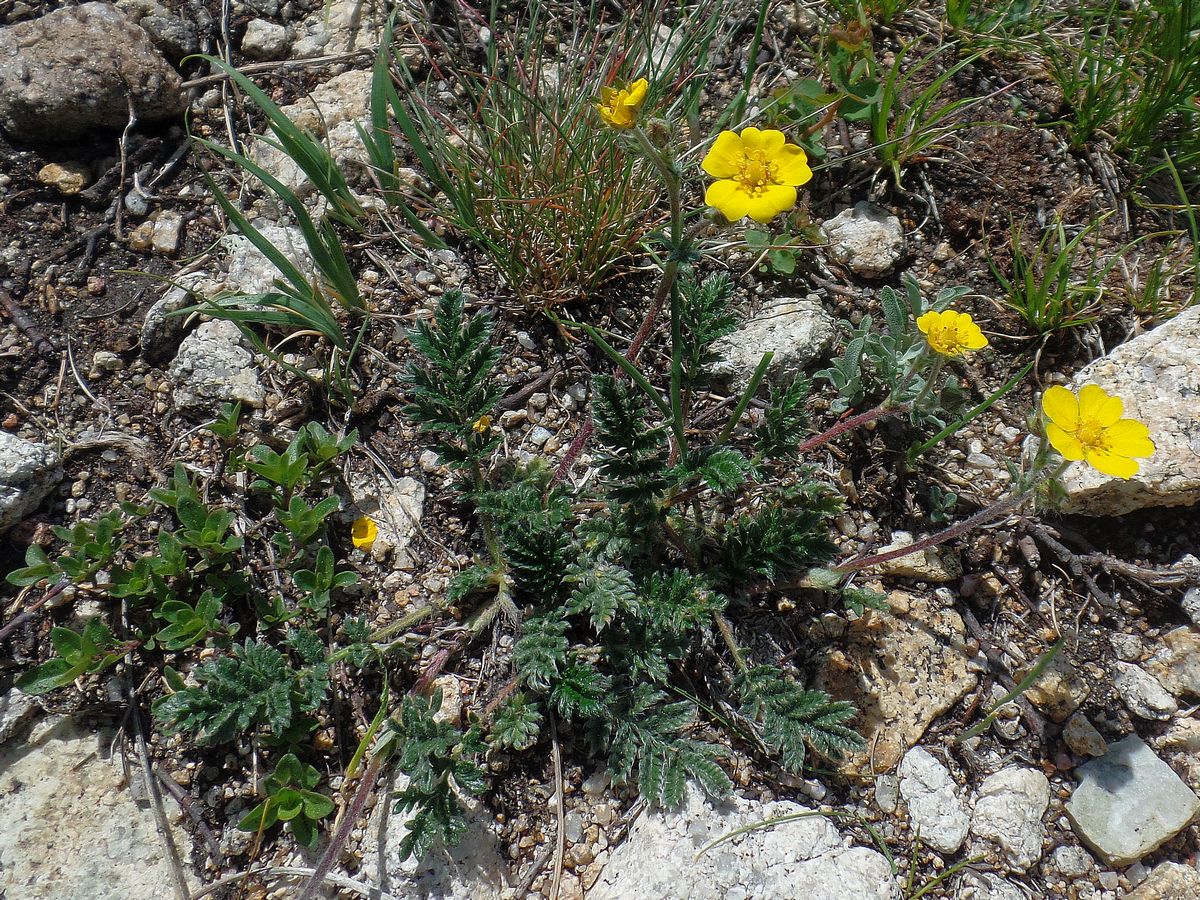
(1041, 285)
(556, 202)
(1130, 76)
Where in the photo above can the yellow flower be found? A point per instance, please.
(1090, 427)
(951, 333)
(758, 174)
(363, 532)
(482, 424)
(619, 106)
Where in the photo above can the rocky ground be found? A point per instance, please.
(1084, 787)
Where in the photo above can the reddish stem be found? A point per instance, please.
(879, 412)
(984, 515)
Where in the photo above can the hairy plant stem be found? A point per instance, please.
(983, 516)
(883, 410)
(735, 651)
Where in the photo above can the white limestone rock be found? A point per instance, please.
(867, 239)
(933, 801)
(28, 473)
(1008, 814)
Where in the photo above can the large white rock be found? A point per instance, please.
(796, 331)
(28, 472)
(867, 239)
(933, 802)
(1008, 814)
(1157, 374)
(1129, 803)
(69, 828)
(804, 857)
(471, 870)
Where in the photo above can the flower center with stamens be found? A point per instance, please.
(757, 172)
(1091, 435)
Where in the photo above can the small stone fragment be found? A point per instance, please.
(936, 565)
(141, 238)
(69, 177)
(28, 473)
(868, 239)
(212, 367)
(1176, 666)
(1129, 803)
(1082, 737)
(1009, 814)
(16, 709)
(1142, 692)
(1059, 690)
(1191, 605)
(167, 235)
(1073, 862)
(265, 40)
(796, 331)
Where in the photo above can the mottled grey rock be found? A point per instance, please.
(1169, 881)
(339, 26)
(247, 271)
(28, 472)
(1082, 737)
(395, 506)
(265, 40)
(175, 36)
(805, 857)
(1008, 813)
(933, 802)
(1129, 803)
(213, 367)
(1073, 862)
(1157, 375)
(868, 239)
(1142, 692)
(16, 709)
(161, 328)
(78, 68)
(1176, 665)
(987, 886)
(1191, 605)
(796, 331)
(70, 827)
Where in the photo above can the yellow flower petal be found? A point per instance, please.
(1061, 407)
(363, 533)
(1064, 442)
(637, 92)
(729, 198)
(1098, 407)
(1109, 463)
(774, 199)
(791, 166)
(726, 156)
(768, 140)
(926, 321)
(1129, 437)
